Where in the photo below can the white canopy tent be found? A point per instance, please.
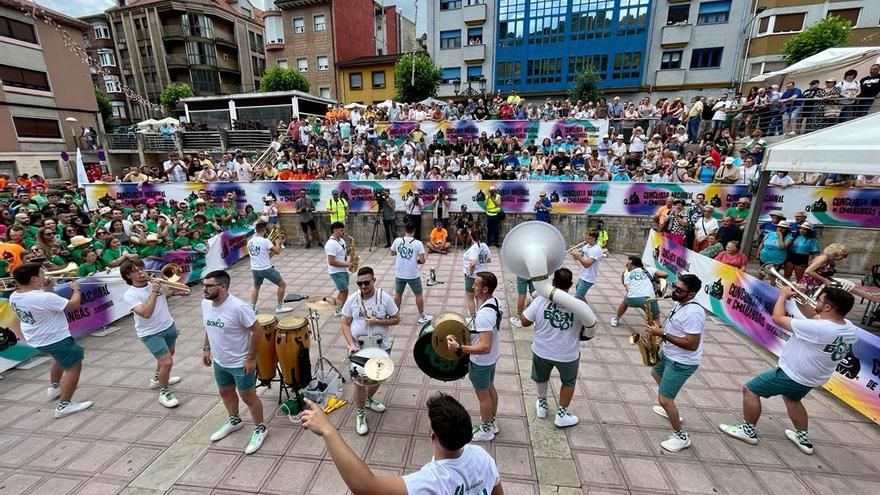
(832, 62)
(433, 101)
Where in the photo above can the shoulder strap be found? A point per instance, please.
(497, 313)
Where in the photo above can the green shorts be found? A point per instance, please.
(582, 288)
(469, 284)
(541, 368)
(159, 343)
(639, 302)
(524, 286)
(776, 382)
(481, 376)
(66, 352)
(270, 274)
(227, 377)
(414, 283)
(672, 375)
(341, 281)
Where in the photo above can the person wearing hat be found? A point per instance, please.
(803, 246)
(337, 207)
(727, 174)
(153, 250)
(412, 204)
(77, 245)
(543, 207)
(270, 211)
(773, 250)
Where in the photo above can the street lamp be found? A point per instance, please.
(470, 90)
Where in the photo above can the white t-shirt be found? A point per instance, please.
(485, 322)
(353, 309)
(557, 331)
(687, 319)
(781, 181)
(812, 354)
(639, 282)
(243, 171)
(479, 252)
(336, 248)
(591, 273)
(258, 249)
(42, 316)
(473, 473)
(704, 227)
(161, 318)
(407, 251)
(229, 330)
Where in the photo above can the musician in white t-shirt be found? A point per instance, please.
(475, 260)
(232, 333)
(338, 262)
(484, 350)
(816, 350)
(456, 467)
(366, 316)
(154, 325)
(42, 324)
(260, 251)
(589, 258)
(638, 282)
(409, 253)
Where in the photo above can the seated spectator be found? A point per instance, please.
(438, 242)
(731, 256)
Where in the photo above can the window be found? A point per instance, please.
(450, 39)
(302, 64)
(671, 60)
(475, 36)
(205, 81)
(577, 65)
(511, 22)
(474, 72)
(508, 73)
(193, 25)
(282, 63)
(627, 65)
(714, 12)
(17, 30)
(323, 62)
(764, 24)
(356, 80)
(120, 33)
(118, 108)
(112, 84)
(106, 58)
(259, 65)
(102, 32)
(547, 21)
(450, 74)
(704, 58)
(323, 92)
(299, 25)
(450, 4)
(274, 30)
(50, 169)
(8, 168)
(678, 14)
(851, 15)
(29, 127)
(378, 78)
(319, 23)
(542, 71)
(24, 78)
(632, 20)
(201, 53)
(789, 23)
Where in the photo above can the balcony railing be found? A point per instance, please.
(473, 15)
(153, 142)
(195, 141)
(148, 62)
(120, 142)
(230, 89)
(676, 35)
(228, 64)
(474, 53)
(224, 37)
(172, 32)
(248, 140)
(142, 35)
(177, 60)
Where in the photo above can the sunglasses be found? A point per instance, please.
(676, 288)
(364, 283)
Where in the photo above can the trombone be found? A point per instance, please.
(576, 246)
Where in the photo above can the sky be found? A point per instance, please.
(79, 8)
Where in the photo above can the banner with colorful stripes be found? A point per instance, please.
(583, 131)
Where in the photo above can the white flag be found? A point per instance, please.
(81, 177)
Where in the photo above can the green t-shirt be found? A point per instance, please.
(181, 242)
(111, 254)
(148, 251)
(152, 226)
(86, 269)
(735, 212)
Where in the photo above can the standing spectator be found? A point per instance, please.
(493, 217)
(693, 118)
(441, 207)
(387, 206)
(850, 89)
(543, 207)
(413, 206)
(704, 227)
(870, 88)
(803, 246)
(337, 207)
(831, 108)
(792, 105)
(812, 108)
(676, 224)
(740, 212)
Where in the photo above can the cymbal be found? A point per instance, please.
(449, 324)
(323, 304)
(379, 368)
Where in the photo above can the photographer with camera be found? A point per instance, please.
(387, 205)
(441, 207)
(413, 205)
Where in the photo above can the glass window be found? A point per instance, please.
(356, 80)
(50, 169)
(282, 62)
(201, 53)
(627, 65)
(274, 30)
(22, 31)
(671, 60)
(8, 168)
(764, 24)
(320, 24)
(450, 74)
(508, 73)
(24, 78)
(378, 78)
(450, 4)
(302, 64)
(474, 72)
(450, 39)
(299, 25)
(107, 58)
(29, 127)
(789, 23)
(102, 32)
(851, 15)
(112, 84)
(678, 14)
(475, 33)
(543, 71)
(703, 58)
(118, 108)
(714, 12)
(323, 63)
(205, 81)
(324, 91)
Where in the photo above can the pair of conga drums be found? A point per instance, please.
(284, 343)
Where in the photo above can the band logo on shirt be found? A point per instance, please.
(24, 315)
(482, 258)
(405, 252)
(561, 320)
(838, 349)
(253, 250)
(218, 323)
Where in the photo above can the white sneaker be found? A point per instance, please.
(53, 393)
(615, 321)
(495, 429)
(515, 321)
(806, 448)
(423, 318)
(168, 399)
(565, 420)
(337, 313)
(659, 411)
(256, 441)
(283, 309)
(736, 431)
(375, 405)
(154, 383)
(540, 409)
(482, 435)
(226, 429)
(674, 444)
(362, 424)
(71, 408)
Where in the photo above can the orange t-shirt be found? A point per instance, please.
(439, 235)
(11, 252)
(285, 174)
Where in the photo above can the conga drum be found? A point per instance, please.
(292, 346)
(266, 356)
(433, 364)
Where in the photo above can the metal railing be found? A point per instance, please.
(248, 140)
(195, 141)
(123, 142)
(154, 141)
(172, 31)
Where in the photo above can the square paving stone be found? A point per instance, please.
(597, 469)
(133, 428)
(611, 412)
(327, 480)
(28, 447)
(690, 477)
(60, 453)
(292, 476)
(19, 483)
(131, 463)
(96, 487)
(250, 472)
(737, 480)
(95, 456)
(167, 431)
(389, 450)
(782, 482)
(103, 423)
(514, 460)
(398, 420)
(57, 485)
(626, 439)
(645, 474)
(210, 469)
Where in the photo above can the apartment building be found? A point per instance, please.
(461, 41)
(101, 47)
(47, 93)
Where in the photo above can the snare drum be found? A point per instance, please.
(292, 345)
(432, 364)
(266, 356)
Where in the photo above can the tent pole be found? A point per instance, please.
(755, 213)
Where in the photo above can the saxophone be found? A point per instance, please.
(649, 345)
(352, 255)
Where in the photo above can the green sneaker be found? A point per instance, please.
(375, 405)
(167, 399)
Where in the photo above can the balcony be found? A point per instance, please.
(230, 89)
(120, 143)
(474, 15)
(676, 35)
(172, 32)
(228, 65)
(148, 62)
(177, 61)
(670, 77)
(474, 53)
(248, 141)
(194, 141)
(126, 65)
(274, 45)
(225, 39)
(142, 35)
(156, 142)
(153, 88)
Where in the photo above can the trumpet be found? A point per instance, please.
(800, 296)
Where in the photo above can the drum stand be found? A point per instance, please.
(332, 379)
(314, 326)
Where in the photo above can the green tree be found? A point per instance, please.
(586, 86)
(280, 79)
(106, 110)
(827, 33)
(173, 93)
(423, 85)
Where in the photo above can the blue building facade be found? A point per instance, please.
(542, 45)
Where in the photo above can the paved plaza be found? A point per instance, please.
(127, 442)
